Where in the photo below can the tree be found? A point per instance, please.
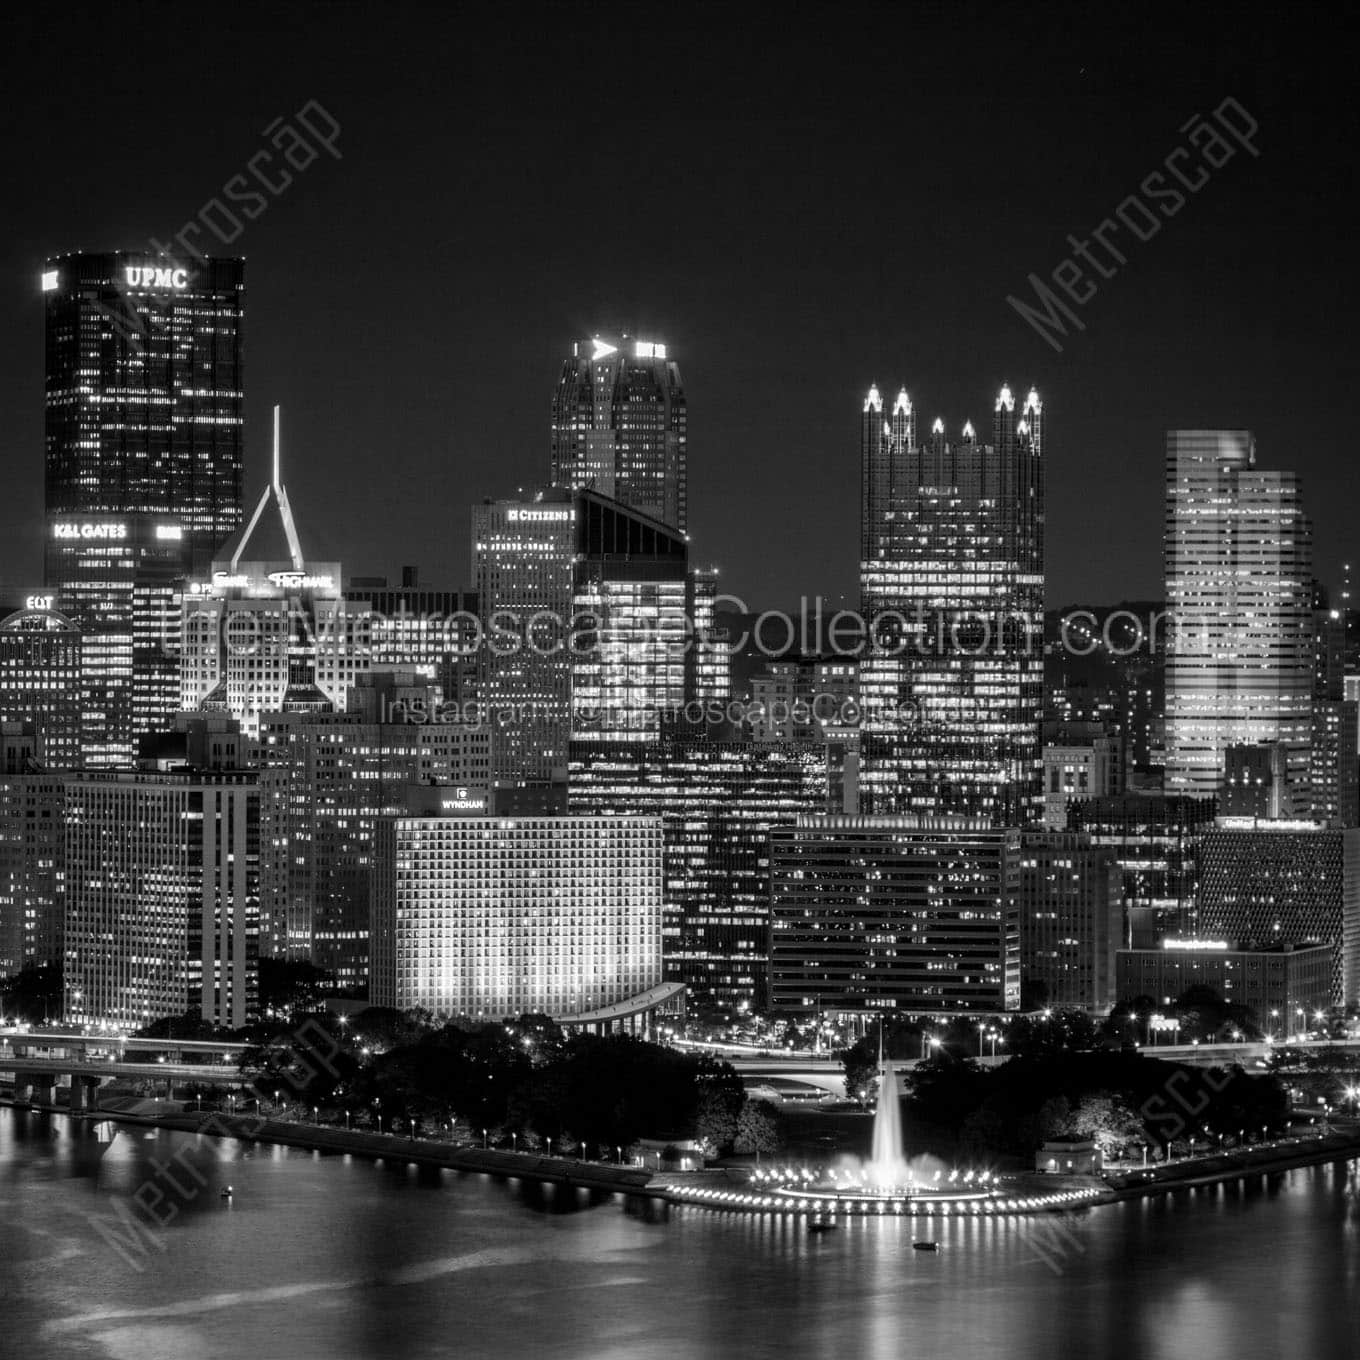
(1105, 1117)
(34, 993)
(716, 1119)
(289, 985)
(758, 1128)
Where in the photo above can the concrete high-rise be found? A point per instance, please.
(619, 426)
(1239, 654)
(952, 589)
(916, 914)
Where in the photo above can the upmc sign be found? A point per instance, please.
(152, 276)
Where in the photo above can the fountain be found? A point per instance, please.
(887, 1183)
(887, 1168)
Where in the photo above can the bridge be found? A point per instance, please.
(38, 1060)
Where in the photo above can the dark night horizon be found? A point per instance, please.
(790, 227)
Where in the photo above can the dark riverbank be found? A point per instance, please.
(379, 1146)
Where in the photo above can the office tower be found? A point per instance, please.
(522, 558)
(909, 913)
(1282, 985)
(143, 441)
(1255, 781)
(717, 799)
(1103, 664)
(162, 896)
(1080, 761)
(631, 631)
(585, 631)
(268, 631)
(1071, 920)
(709, 658)
(619, 427)
(1334, 733)
(40, 676)
(803, 697)
(413, 627)
(1266, 883)
(119, 581)
(32, 865)
(952, 583)
(490, 916)
(1155, 841)
(145, 395)
(1239, 660)
(325, 779)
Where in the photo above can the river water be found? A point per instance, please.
(345, 1259)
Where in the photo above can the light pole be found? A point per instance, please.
(483, 1140)
(346, 1121)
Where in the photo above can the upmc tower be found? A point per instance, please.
(144, 438)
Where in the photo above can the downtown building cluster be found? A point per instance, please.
(578, 785)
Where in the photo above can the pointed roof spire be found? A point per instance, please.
(968, 432)
(873, 402)
(278, 491)
(903, 402)
(1005, 399)
(938, 426)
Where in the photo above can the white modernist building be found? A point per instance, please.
(490, 916)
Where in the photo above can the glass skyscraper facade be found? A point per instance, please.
(143, 440)
(619, 426)
(145, 392)
(952, 586)
(1239, 650)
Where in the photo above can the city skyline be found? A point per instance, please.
(774, 350)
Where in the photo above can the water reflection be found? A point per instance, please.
(334, 1256)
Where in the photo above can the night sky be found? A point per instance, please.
(797, 201)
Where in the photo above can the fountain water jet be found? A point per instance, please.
(887, 1164)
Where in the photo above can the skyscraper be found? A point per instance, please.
(268, 630)
(952, 587)
(619, 426)
(491, 916)
(40, 676)
(145, 393)
(522, 557)
(144, 430)
(920, 914)
(1239, 661)
(163, 896)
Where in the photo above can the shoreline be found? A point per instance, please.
(326, 1138)
(713, 1187)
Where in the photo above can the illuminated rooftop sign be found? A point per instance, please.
(90, 530)
(645, 349)
(539, 516)
(299, 580)
(1195, 944)
(39, 602)
(154, 276)
(50, 280)
(463, 800)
